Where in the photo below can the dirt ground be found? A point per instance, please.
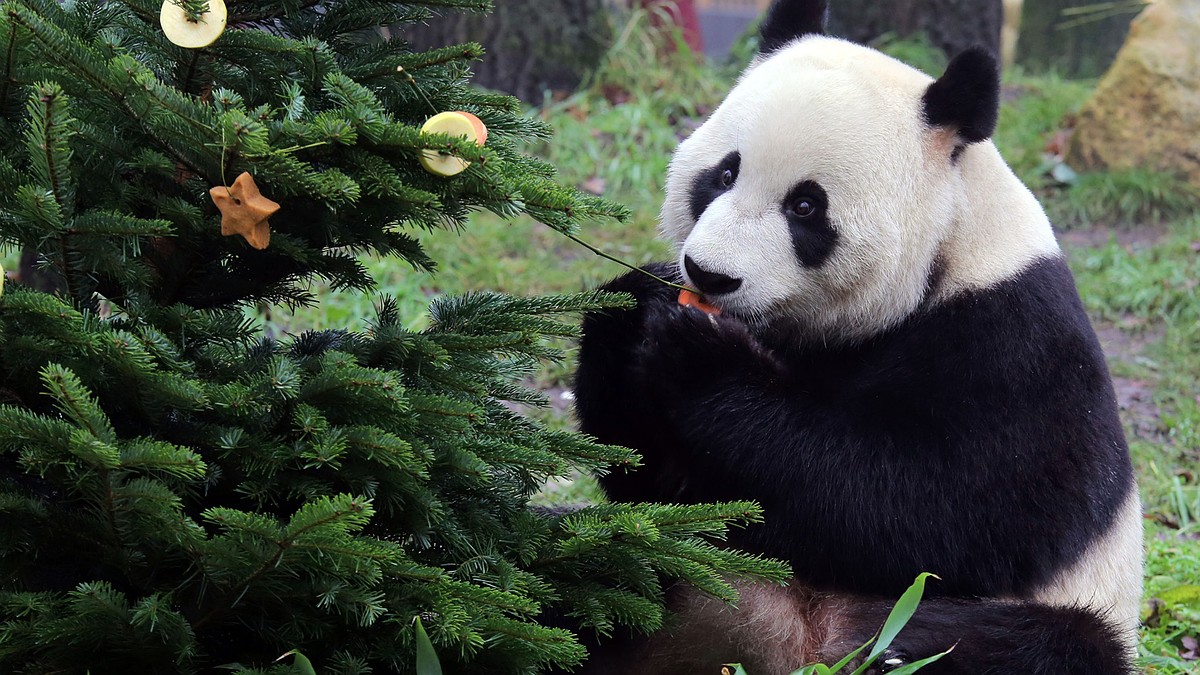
(1134, 396)
(1126, 340)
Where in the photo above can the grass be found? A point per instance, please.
(1171, 568)
(1153, 279)
(1032, 111)
(1129, 196)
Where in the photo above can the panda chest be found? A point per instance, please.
(879, 386)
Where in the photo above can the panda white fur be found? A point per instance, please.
(902, 374)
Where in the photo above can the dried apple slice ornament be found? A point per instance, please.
(455, 123)
(183, 31)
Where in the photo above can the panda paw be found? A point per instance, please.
(610, 336)
(685, 350)
(604, 387)
(646, 288)
(889, 660)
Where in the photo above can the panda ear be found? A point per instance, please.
(966, 98)
(787, 20)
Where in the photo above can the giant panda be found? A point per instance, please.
(901, 372)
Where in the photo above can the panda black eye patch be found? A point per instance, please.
(714, 182)
(806, 210)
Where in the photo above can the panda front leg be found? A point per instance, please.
(610, 404)
(717, 416)
(615, 404)
(687, 351)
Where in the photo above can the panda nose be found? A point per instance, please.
(709, 283)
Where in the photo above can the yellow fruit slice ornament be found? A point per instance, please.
(193, 34)
(457, 123)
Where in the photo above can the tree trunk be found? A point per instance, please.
(952, 25)
(30, 274)
(532, 45)
(1076, 45)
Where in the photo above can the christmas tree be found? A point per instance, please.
(180, 493)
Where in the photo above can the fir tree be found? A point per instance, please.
(178, 492)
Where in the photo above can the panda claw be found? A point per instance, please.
(892, 659)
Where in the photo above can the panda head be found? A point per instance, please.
(835, 188)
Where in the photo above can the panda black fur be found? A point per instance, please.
(902, 373)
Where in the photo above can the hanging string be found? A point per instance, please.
(409, 78)
(420, 92)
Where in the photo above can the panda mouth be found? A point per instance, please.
(757, 322)
(692, 298)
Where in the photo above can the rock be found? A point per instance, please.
(1146, 110)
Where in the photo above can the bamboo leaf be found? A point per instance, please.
(427, 659)
(837, 667)
(299, 661)
(905, 607)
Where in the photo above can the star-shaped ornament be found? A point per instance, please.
(244, 210)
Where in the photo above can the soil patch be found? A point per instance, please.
(1143, 236)
(1135, 396)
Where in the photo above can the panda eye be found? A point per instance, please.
(726, 178)
(803, 207)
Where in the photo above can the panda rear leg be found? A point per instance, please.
(993, 637)
(776, 630)
(772, 630)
